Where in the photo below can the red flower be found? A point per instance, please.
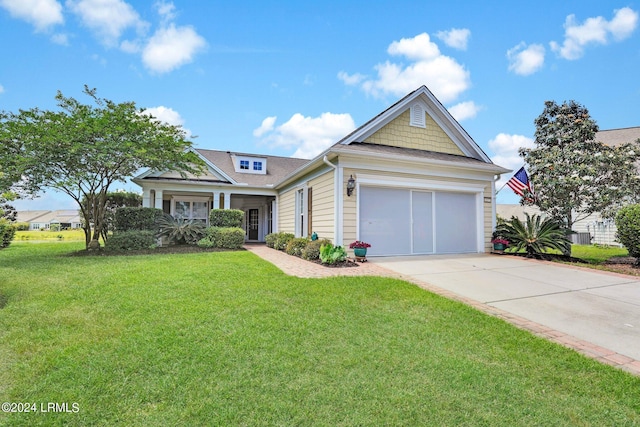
(360, 245)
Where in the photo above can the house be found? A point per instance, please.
(594, 228)
(46, 219)
(409, 181)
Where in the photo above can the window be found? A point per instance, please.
(300, 210)
(249, 164)
(191, 209)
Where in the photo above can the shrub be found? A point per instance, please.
(330, 254)
(534, 235)
(22, 226)
(179, 230)
(223, 237)
(226, 218)
(296, 246)
(282, 240)
(312, 251)
(628, 233)
(130, 240)
(270, 239)
(127, 219)
(7, 232)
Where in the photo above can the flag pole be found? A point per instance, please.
(503, 185)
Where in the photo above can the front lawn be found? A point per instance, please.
(224, 338)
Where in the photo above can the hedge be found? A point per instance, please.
(131, 240)
(7, 232)
(226, 218)
(312, 251)
(628, 229)
(127, 219)
(223, 238)
(296, 246)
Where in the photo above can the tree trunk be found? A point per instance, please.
(569, 217)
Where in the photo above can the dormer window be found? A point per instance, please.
(417, 116)
(249, 164)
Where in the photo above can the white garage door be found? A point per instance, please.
(405, 222)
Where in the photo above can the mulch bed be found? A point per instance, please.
(175, 249)
(346, 264)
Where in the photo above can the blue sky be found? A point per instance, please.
(291, 78)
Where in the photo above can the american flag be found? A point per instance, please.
(520, 182)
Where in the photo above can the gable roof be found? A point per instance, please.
(615, 137)
(436, 111)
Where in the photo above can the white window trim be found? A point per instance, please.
(298, 209)
(252, 160)
(191, 199)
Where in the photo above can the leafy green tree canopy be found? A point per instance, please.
(82, 149)
(573, 174)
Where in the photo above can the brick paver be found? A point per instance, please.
(294, 266)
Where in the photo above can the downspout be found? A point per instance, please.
(494, 196)
(337, 222)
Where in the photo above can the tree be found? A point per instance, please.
(81, 150)
(574, 175)
(115, 200)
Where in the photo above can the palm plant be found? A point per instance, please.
(180, 230)
(535, 235)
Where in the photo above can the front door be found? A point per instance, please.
(253, 224)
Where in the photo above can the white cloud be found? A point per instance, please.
(171, 47)
(525, 60)
(167, 115)
(166, 11)
(506, 148)
(351, 79)
(308, 135)
(464, 110)
(266, 126)
(1, 89)
(594, 31)
(109, 19)
(61, 39)
(456, 38)
(42, 14)
(446, 78)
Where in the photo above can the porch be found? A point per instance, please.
(259, 209)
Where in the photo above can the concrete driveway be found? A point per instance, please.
(597, 307)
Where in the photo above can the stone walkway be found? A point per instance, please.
(294, 266)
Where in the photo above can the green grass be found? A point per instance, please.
(227, 339)
(596, 254)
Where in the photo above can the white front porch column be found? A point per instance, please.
(216, 200)
(146, 198)
(158, 200)
(227, 200)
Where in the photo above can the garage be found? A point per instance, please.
(398, 221)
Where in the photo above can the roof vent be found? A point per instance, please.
(417, 116)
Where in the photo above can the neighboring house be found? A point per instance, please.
(409, 181)
(44, 220)
(594, 228)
